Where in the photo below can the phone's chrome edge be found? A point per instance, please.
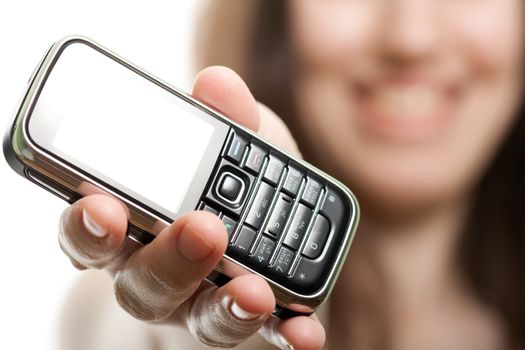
(21, 152)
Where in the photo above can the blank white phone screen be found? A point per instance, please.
(123, 126)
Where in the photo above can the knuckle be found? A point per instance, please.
(211, 322)
(130, 298)
(145, 295)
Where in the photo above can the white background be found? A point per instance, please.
(35, 276)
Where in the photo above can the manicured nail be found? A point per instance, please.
(193, 245)
(283, 344)
(240, 313)
(92, 226)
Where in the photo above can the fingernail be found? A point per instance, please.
(193, 245)
(283, 344)
(240, 313)
(92, 226)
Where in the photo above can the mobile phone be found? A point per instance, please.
(90, 122)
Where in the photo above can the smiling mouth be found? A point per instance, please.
(405, 110)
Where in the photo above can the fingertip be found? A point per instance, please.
(303, 333)
(102, 215)
(92, 231)
(198, 237)
(223, 89)
(252, 294)
(209, 226)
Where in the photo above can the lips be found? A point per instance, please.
(405, 110)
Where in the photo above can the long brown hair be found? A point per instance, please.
(252, 38)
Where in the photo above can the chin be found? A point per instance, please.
(394, 190)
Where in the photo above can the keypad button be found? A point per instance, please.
(237, 146)
(229, 224)
(311, 192)
(317, 239)
(279, 216)
(334, 209)
(203, 206)
(298, 227)
(260, 205)
(293, 180)
(255, 158)
(282, 264)
(274, 169)
(230, 187)
(221, 201)
(243, 243)
(309, 276)
(263, 252)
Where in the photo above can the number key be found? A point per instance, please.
(283, 263)
(264, 251)
(298, 227)
(293, 180)
(279, 215)
(241, 248)
(260, 205)
(317, 239)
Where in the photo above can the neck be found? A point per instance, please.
(397, 266)
(413, 253)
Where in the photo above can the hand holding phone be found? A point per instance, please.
(287, 222)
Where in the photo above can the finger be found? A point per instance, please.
(227, 316)
(222, 89)
(160, 276)
(298, 333)
(273, 129)
(92, 231)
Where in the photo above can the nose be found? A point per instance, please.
(410, 30)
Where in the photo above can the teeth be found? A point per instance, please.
(415, 102)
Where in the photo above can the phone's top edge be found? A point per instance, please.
(71, 38)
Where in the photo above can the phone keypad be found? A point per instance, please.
(287, 220)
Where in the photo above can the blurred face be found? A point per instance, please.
(407, 100)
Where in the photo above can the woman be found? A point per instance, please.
(416, 106)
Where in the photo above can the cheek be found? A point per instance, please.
(492, 31)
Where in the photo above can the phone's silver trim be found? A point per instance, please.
(21, 153)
